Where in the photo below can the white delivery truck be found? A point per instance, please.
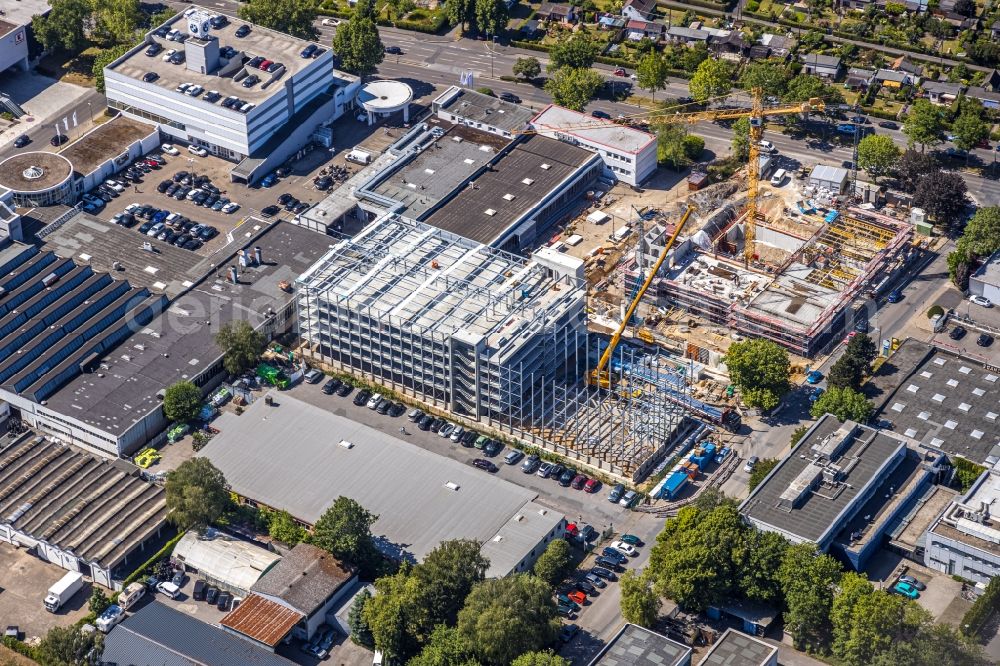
(63, 591)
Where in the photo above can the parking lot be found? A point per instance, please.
(24, 581)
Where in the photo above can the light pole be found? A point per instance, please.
(90, 112)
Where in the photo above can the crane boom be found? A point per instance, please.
(596, 377)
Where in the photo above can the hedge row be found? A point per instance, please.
(977, 617)
(431, 28)
(706, 4)
(160, 554)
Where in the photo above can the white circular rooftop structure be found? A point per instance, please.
(37, 178)
(382, 97)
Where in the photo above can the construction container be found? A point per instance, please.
(709, 450)
(699, 461)
(675, 483)
(691, 469)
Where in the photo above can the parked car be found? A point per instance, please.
(614, 555)
(224, 599)
(374, 401)
(484, 464)
(22, 141)
(513, 457)
(578, 481)
(446, 430)
(957, 333)
(424, 423)
(396, 409)
(607, 563)
(591, 486)
(596, 581)
(888, 124)
(629, 499)
(211, 595)
(545, 469)
(362, 397)
(625, 548)
(383, 407)
(984, 340)
(493, 447)
(906, 590)
(751, 463)
(616, 493)
(58, 139)
(344, 390)
(170, 150)
(415, 415)
(910, 580)
(242, 31)
(510, 97)
(197, 150)
(980, 300)
(605, 573)
(567, 632)
(814, 377)
(198, 594)
(168, 589)
(531, 464)
(567, 477)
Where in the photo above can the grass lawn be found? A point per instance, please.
(76, 69)
(887, 106)
(850, 96)
(950, 47)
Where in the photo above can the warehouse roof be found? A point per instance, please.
(606, 133)
(636, 646)
(941, 399)
(157, 635)
(262, 620)
(735, 648)
(815, 489)
(485, 110)
(421, 498)
(100, 510)
(530, 526)
(305, 579)
(225, 559)
(514, 185)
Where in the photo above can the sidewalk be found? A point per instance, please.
(46, 101)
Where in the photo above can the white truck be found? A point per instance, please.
(63, 591)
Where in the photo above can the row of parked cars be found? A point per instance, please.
(613, 558)
(94, 201)
(167, 226)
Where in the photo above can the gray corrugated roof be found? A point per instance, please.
(738, 649)
(305, 578)
(636, 646)
(821, 60)
(828, 173)
(157, 635)
(289, 457)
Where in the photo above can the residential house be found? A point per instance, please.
(759, 52)
(680, 35)
(729, 47)
(946, 12)
(556, 12)
(827, 67)
(904, 64)
(637, 30)
(893, 80)
(611, 22)
(639, 10)
(989, 98)
(942, 92)
(859, 79)
(780, 46)
(992, 81)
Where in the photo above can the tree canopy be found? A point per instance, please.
(969, 128)
(527, 68)
(196, 494)
(877, 154)
(62, 27)
(808, 580)
(116, 22)
(181, 401)
(577, 51)
(295, 17)
(572, 87)
(539, 659)
(741, 139)
(713, 79)
(241, 346)
(651, 72)
(553, 565)
(358, 45)
(911, 165)
(981, 236)
(924, 124)
(505, 617)
(854, 363)
(759, 369)
(760, 472)
(102, 60)
(942, 195)
(67, 646)
(844, 403)
(344, 530)
(491, 16)
(771, 76)
(640, 604)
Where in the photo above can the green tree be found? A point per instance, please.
(933, 645)
(911, 166)
(159, 18)
(460, 12)
(695, 559)
(241, 346)
(981, 237)
(395, 616)
(771, 76)
(359, 46)
(116, 22)
(712, 80)
(652, 72)
(670, 148)
(99, 601)
(639, 603)
(68, 646)
(294, 17)
(691, 58)
(760, 472)
(446, 647)
(447, 575)
(924, 124)
(807, 581)
(505, 617)
(866, 622)
(539, 659)
(361, 633)
(846, 372)
(960, 268)
(970, 128)
(803, 87)
(553, 565)
(759, 563)
(365, 9)
(573, 88)
(63, 26)
(527, 68)
(877, 154)
(281, 526)
(491, 16)
(693, 146)
(741, 139)
(197, 494)
(942, 195)
(577, 51)
(844, 403)
(344, 530)
(759, 369)
(181, 401)
(862, 348)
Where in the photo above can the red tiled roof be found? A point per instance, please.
(262, 620)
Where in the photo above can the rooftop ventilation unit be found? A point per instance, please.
(527, 181)
(451, 485)
(508, 197)
(347, 445)
(490, 212)
(546, 167)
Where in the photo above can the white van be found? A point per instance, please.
(779, 177)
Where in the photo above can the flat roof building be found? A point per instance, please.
(274, 117)
(224, 561)
(637, 646)
(942, 399)
(734, 648)
(964, 540)
(985, 281)
(629, 154)
(462, 106)
(470, 328)
(421, 498)
(76, 510)
(308, 581)
(158, 635)
(843, 488)
(15, 34)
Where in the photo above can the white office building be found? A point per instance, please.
(629, 154)
(237, 110)
(965, 539)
